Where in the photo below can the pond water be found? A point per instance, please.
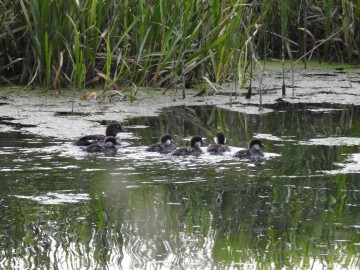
(62, 208)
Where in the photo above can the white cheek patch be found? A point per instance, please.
(256, 146)
(216, 140)
(168, 142)
(197, 144)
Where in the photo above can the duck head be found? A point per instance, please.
(196, 141)
(256, 144)
(114, 128)
(111, 141)
(219, 138)
(166, 139)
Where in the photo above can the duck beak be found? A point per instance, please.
(123, 130)
(262, 145)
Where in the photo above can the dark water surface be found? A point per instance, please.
(62, 208)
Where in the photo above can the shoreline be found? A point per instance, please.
(65, 116)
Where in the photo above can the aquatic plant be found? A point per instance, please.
(166, 43)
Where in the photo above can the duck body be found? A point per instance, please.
(165, 146)
(192, 150)
(109, 146)
(219, 147)
(111, 130)
(253, 153)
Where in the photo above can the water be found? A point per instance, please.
(62, 208)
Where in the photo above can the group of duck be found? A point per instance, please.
(109, 143)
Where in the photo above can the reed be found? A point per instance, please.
(165, 43)
(284, 12)
(328, 19)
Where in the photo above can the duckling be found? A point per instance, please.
(111, 130)
(165, 145)
(192, 150)
(109, 146)
(253, 152)
(219, 147)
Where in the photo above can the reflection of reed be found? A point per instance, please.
(210, 224)
(300, 121)
(150, 211)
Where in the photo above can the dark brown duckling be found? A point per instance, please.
(219, 147)
(192, 150)
(109, 145)
(253, 152)
(165, 146)
(111, 130)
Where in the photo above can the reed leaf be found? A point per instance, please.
(163, 42)
(78, 61)
(327, 30)
(48, 57)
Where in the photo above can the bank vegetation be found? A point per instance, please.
(163, 43)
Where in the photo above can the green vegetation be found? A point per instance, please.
(166, 43)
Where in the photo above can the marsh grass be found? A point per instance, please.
(173, 44)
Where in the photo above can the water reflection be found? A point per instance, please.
(63, 208)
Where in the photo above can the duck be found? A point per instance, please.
(253, 151)
(165, 146)
(219, 147)
(112, 129)
(192, 150)
(109, 145)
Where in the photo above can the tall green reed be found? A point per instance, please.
(328, 20)
(163, 43)
(285, 10)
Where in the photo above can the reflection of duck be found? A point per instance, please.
(109, 145)
(165, 145)
(192, 150)
(111, 130)
(219, 147)
(253, 152)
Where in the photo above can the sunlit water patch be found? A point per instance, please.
(56, 198)
(246, 109)
(333, 141)
(352, 165)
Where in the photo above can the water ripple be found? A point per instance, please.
(56, 198)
